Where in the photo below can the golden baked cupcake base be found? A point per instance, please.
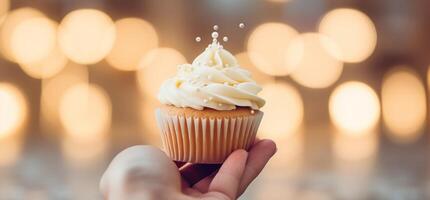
(206, 136)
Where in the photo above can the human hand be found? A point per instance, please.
(145, 172)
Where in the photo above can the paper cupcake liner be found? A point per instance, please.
(206, 140)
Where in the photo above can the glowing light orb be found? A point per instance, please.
(11, 21)
(52, 91)
(157, 66)
(257, 75)
(283, 112)
(352, 30)
(86, 36)
(47, 67)
(354, 107)
(13, 109)
(404, 104)
(85, 112)
(33, 40)
(134, 38)
(311, 53)
(267, 45)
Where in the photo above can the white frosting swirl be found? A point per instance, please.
(214, 80)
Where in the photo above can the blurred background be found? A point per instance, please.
(345, 82)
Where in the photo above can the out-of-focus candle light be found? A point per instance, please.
(12, 20)
(352, 30)
(283, 111)
(257, 75)
(85, 112)
(53, 89)
(267, 45)
(86, 36)
(134, 38)
(33, 40)
(311, 53)
(13, 110)
(48, 67)
(354, 108)
(157, 66)
(404, 104)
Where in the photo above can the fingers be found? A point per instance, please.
(139, 168)
(193, 173)
(258, 156)
(228, 178)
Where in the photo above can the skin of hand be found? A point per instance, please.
(146, 173)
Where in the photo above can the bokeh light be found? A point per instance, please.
(315, 65)
(12, 20)
(157, 66)
(257, 75)
(86, 36)
(33, 40)
(53, 89)
(134, 38)
(354, 107)
(85, 112)
(283, 112)
(47, 67)
(267, 45)
(352, 30)
(13, 109)
(404, 104)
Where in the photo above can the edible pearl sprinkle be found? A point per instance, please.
(241, 25)
(225, 39)
(214, 35)
(220, 104)
(205, 100)
(216, 27)
(252, 111)
(198, 39)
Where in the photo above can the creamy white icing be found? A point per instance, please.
(214, 80)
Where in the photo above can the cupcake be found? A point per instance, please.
(209, 109)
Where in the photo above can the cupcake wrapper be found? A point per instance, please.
(206, 140)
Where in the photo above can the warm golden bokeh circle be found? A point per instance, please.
(311, 54)
(283, 111)
(404, 104)
(13, 109)
(257, 75)
(11, 21)
(85, 112)
(47, 67)
(352, 30)
(86, 36)
(33, 40)
(354, 108)
(134, 39)
(157, 66)
(267, 45)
